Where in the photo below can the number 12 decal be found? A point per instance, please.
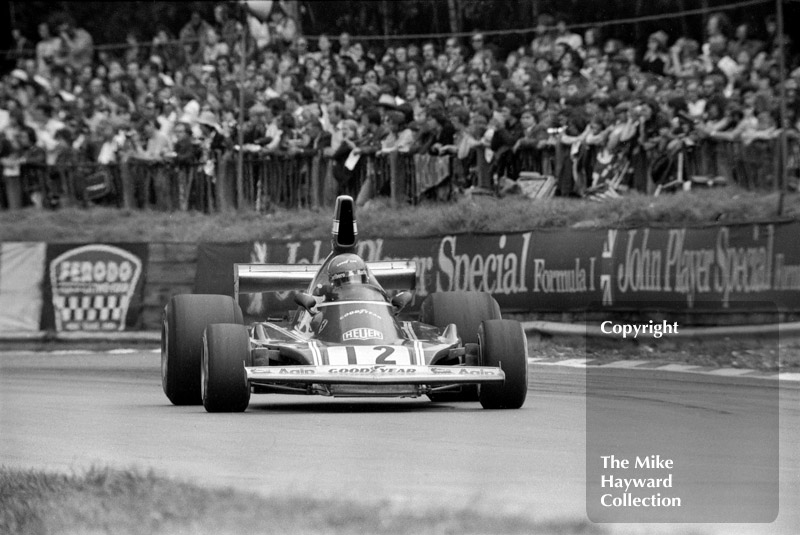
(368, 355)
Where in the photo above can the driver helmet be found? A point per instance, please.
(347, 269)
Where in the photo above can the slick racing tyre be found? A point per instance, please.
(467, 310)
(184, 320)
(226, 351)
(503, 344)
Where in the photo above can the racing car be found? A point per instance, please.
(344, 339)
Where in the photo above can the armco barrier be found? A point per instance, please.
(712, 275)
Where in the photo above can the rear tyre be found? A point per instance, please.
(184, 320)
(467, 310)
(503, 344)
(226, 352)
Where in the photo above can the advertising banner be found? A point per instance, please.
(731, 267)
(21, 273)
(95, 287)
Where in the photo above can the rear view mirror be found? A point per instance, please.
(306, 301)
(401, 300)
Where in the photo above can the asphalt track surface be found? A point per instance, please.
(70, 411)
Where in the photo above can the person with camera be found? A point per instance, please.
(77, 45)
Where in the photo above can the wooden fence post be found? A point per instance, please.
(127, 182)
(484, 170)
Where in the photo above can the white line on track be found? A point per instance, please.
(650, 365)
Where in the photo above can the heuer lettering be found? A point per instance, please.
(362, 333)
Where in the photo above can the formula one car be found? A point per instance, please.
(345, 338)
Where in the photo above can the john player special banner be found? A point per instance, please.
(709, 268)
(95, 287)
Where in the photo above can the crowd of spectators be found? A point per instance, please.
(620, 110)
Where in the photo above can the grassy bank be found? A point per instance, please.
(479, 214)
(130, 502)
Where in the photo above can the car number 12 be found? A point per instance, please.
(341, 355)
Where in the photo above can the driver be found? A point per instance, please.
(350, 279)
(346, 269)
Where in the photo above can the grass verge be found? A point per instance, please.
(132, 502)
(379, 220)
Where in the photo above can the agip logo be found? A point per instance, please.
(92, 287)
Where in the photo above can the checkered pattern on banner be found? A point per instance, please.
(90, 307)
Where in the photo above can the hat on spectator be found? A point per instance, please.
(42, 82)
(207, 118)
(19, 74)
(166, 80)
(66, 96)
(387, 100)
(660, 37)
(371, 88)
(258, 109)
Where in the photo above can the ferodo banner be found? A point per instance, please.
(713, 268)
(96, 287)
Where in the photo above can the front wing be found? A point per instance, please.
(377, 374)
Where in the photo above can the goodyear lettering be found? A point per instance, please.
(359, 311)
(372, 370)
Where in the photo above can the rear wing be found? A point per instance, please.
(260, 278)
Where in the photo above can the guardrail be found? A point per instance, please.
(311, 179)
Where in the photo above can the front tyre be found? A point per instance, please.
(503, 344)
(185, 318)
(466, 310)
(226, 352)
